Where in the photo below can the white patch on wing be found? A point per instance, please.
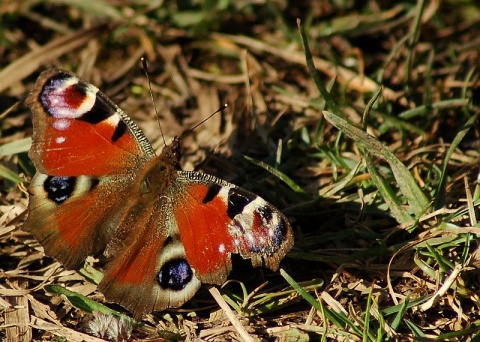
(260, 237)
(65, 112)
(221, 248)
(256, 203)
(223, 194)
(88, 102)
(113, 120)
(60, 140)
(60, 108)
(61, 124)
(68, 82)
(248, 214)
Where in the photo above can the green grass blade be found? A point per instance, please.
(396, 209)
(426, 109)
(10, 175)
(330, 103)
(399, 316)
(417, 332)
(81, 302)
(338, 318)
(408, 186)
(366, 325)
(280, 175)
(96, 8)
(15, 147)
(441, 192)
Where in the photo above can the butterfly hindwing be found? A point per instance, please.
(68, 215)
(150, 271)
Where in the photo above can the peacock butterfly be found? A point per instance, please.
(100, 189)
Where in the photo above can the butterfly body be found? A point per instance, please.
(100, 189)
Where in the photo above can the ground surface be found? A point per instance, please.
(382, 192)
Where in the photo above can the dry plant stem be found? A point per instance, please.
(230, 314)
(345, 76)
(391, 291)
(24, 66)
(443, 289)
(16, 318)
(69, 334)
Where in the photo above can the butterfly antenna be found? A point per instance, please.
(145, 70)
(190, 130)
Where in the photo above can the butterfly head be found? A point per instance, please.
(173, 153)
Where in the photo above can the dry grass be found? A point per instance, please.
(383, 194)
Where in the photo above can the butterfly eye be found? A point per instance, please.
(145, 186)
(175, 274)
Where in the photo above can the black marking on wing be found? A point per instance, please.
(94, 183)
(213, 190)
(266, 214)
(238, 199)
(59, 189)
(100, 111)
(175, 275)
(280, 233)
(120, 130)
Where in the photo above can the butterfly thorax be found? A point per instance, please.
(156, 177)
(159, 173)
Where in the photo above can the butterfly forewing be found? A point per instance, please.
(216, 218)
(79, 131)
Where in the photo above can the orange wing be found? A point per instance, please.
(80, 131)
(69, 215)
(215, 219)
(148, 269)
